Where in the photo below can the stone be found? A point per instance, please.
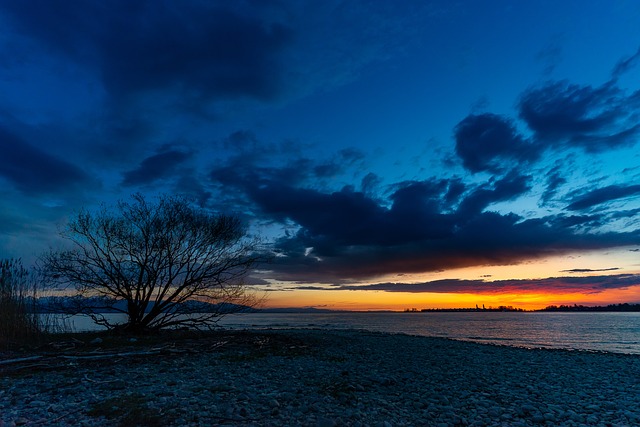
(538, 418)
(293, 391)
(96, 341)
(118, 385)
(527, 408)
(54, 408)
(325, 422)
(592, 419)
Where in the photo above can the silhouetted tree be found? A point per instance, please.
(163, 259)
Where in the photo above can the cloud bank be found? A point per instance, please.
(108, 98)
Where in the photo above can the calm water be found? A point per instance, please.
(613, 332)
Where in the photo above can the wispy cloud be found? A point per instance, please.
(594, 119)
(156, 167)
(603, 195)
(205, 50)
(626, 64)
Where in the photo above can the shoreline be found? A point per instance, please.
(327, 377)
(612, 332)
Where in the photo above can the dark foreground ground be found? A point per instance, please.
(312, 378)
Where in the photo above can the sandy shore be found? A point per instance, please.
(322, 378)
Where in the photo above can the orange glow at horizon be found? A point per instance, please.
(552, 266)
(397, 301)
(599, 262)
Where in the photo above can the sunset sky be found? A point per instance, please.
(392, 154)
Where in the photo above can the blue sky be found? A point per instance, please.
(371, 143)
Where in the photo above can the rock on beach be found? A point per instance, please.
(327, 378)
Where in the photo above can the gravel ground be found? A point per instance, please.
(324, 378)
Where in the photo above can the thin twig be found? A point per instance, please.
(86, 377)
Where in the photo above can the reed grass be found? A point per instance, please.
(19, 322)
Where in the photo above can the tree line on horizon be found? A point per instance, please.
(620, 307)
(466, 309)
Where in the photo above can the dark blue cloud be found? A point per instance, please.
(626, 64)
(488, 239)
(625, 213)
(255, 162)
(153, 168)
(144, 63)
(241, 140)
(455, 189)
(370, 183)
(33, 171)
(342, 218)
(554, 180)
(192, 187)
(344, 159)
(418, 212)
(154, 64)
(562, 114)
(603, 195)
(504, 189)
(488, 142)
(419, 226)
(564, 221)
(204, 50)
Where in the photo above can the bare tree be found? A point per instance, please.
(163, 259)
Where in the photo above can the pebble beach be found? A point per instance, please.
(321, 378)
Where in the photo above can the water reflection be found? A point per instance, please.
(614, 332)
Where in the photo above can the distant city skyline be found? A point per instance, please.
(391, 154)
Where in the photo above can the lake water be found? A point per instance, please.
(612, 332)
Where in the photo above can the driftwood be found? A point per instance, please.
(35, 366)
(109, 355)
(86, 377)
(55, 420)
(64, 357)
(62, 360)
(19, 360)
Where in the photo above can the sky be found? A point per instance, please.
(391, 154)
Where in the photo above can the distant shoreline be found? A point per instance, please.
(611, 308)
(59, 304)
